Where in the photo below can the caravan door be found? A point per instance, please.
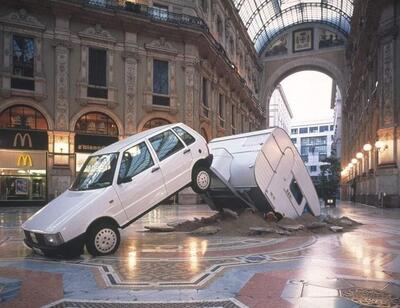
(279, 189)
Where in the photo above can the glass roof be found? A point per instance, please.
(266, 19)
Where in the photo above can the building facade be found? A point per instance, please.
(314, 143)
(78, 75)
(280, 113)
(371, 108)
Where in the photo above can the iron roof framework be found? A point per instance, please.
(266, 19)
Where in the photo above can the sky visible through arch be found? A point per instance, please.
(309, 96)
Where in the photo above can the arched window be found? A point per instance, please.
(155, 123)
(231, 46)
(22, 117)
(96, 123)
(204, 5)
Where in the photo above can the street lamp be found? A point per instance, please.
(367, 148)
(354, 161)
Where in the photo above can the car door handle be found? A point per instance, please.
(186, 151)
(155, 169)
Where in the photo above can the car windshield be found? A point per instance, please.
(97, 172)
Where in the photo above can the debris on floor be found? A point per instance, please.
(228, 222)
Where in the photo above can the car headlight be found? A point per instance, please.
(330, 201)
(53, 239)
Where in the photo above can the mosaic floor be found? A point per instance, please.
(360, 268)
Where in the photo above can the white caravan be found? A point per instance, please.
(117, 185)
(262, 170)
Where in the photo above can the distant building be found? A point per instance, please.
(314, 142)
(280, 113)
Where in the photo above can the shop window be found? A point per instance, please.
(296, 192)
(22, 117)
(184, 135)
(23, 63)
(96, 123)
(160, 83)
(166, 144)
(97, 73)
(155, 123)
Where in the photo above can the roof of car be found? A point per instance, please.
(117, 146)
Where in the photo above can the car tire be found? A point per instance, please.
(201, 179)
(103, 239)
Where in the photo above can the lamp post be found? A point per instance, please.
(360, 157)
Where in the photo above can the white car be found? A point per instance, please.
(117, 185)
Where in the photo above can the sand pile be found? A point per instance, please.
(256, 223)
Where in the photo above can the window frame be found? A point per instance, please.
(28, 80)
(181, 138)
(166, 101)
(170, 154)
(103, 94)
(122, 157)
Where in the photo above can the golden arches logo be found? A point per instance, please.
(24, 160)
(22, 139)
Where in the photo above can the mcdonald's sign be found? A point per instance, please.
(24, 160)
(23, 139)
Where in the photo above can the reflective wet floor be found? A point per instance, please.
(360, 268)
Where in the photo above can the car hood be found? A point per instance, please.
(56, 214)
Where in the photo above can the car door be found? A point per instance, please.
(140, 185)
(175, 160)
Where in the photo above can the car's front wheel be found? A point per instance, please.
(201, 179)
(103, 239)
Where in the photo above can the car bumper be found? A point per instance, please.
(64, 248)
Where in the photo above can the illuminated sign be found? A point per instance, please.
(22, 139)
(24, 160)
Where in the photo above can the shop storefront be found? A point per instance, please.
(23, 157)
(93, 131)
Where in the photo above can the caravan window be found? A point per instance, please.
(296, 192)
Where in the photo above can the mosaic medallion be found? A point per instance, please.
(371, 297)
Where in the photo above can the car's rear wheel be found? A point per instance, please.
(201, 179)
(103, 239)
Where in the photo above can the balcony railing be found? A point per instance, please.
(152, 13)
(164, 16)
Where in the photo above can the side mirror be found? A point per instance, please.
(124, 180)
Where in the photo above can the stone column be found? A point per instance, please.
(130, 94)
(189, 94)
(61, 87)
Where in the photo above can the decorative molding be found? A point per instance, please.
(161, 45)
(62, 87)
(22, 18)
(130, 95)
(388, 84)
(97, 33)
(189, 94)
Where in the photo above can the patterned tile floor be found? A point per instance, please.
(179, 270)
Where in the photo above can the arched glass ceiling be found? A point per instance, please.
(265, 19)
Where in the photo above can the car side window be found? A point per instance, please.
(184, 135)
(135, 160)
(166, 144)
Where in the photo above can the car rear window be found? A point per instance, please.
(166, 144)
(184, 135)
